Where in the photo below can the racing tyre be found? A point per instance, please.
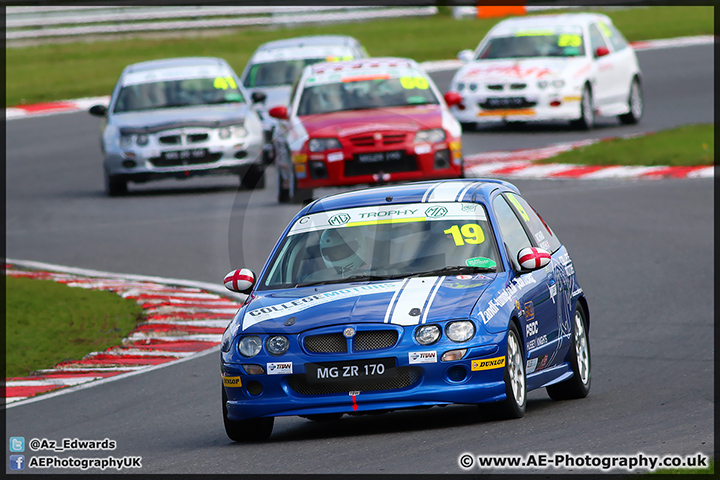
(578, 386)
(298, 195)
(115, 186)
(253, 178)
(283, 194)
(635, 102)
(587, 114)
(253, 430)
(515, 382)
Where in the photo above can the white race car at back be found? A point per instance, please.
(572, 66)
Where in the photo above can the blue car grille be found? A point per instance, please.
(374, 340)
(405, 377)
(327, 343)
(361, 342)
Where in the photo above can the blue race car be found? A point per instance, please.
(413, 295)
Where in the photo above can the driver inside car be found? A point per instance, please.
(344, 250)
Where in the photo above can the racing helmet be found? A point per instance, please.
(342, 248)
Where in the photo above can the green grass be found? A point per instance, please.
(690, 145)
(695, 472)
(48, 322)
(72, 70)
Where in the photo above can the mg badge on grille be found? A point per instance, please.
(377, 136)
(349, 332)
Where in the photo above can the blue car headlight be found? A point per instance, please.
(427, 334)
(277, 345)
(250, 346)
(461, 331)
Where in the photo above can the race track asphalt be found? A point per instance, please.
(643, 251)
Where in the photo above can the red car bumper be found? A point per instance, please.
(362, 166)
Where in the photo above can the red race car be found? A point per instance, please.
(365, 121)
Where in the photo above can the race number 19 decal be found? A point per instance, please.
(469, 233)
(520, 208)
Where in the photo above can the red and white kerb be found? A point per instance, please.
(239, 280)
(532, 258)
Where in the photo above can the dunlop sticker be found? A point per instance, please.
(487, 364)
(231, 382)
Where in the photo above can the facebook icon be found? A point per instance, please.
(17, 462)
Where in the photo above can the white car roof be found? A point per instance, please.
(364, 63)
(175, 62)
(301, 52)
(329, 72)
(538, 21)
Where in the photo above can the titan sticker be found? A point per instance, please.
(279, 368)
(422, 357)
(487, 364)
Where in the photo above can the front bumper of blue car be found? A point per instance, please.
(477, 377)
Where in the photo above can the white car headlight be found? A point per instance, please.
(239, 131)
(558, 83)
(224, 133)
(460, 331)
(321, 144)
(542, 84)
(460, 86)
(250, 346)
(427, 334)
(126, 141)
(142, 140)
(430, 136)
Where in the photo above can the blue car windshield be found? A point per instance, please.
(375, 243)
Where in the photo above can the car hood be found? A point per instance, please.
(274, 96)
(352, 122)
(520, 69)
(402, 302)
(205, 115)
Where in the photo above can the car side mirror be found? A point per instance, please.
(279, 112)
(533, 258)
(240, 281)
(466, 56)
(601, 52)
(258, 97)
(452, 98)
(98, 110)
